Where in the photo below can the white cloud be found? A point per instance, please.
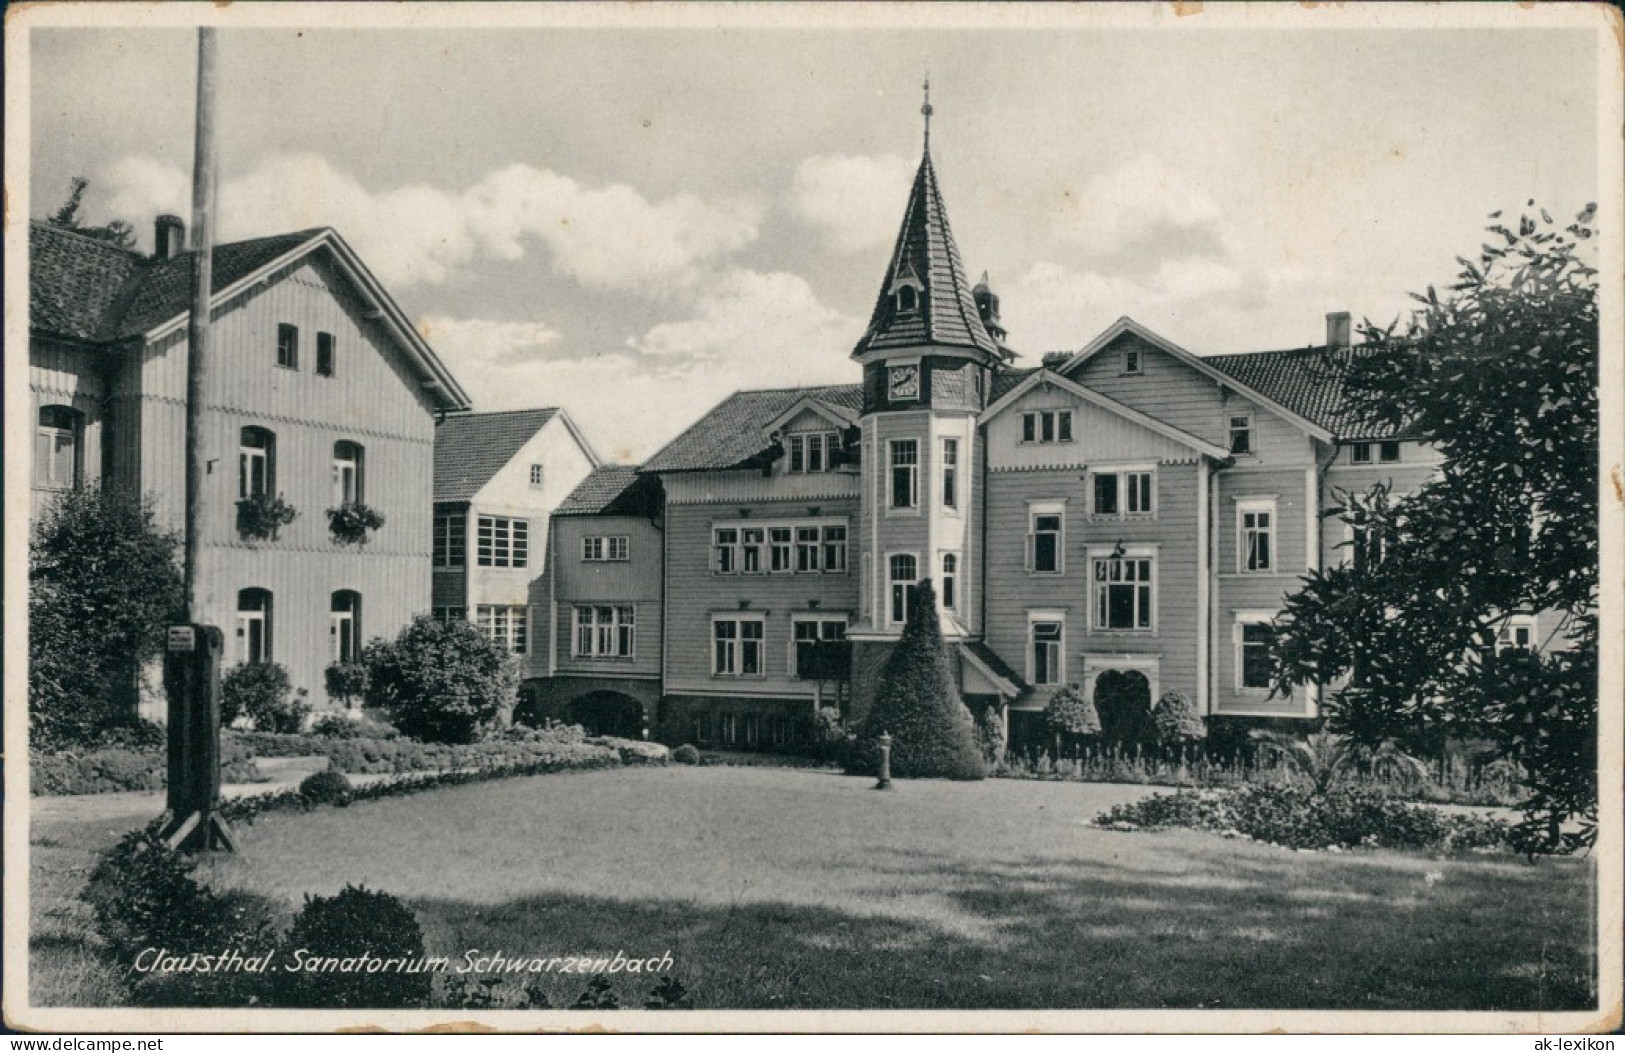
(609, 237)
(1141, 203)
(746, 330)
(855, 202)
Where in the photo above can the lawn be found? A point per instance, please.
(777, 888)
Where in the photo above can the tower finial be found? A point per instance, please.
(927, 111)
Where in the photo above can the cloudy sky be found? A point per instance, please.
(633, 223)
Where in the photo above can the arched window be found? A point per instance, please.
(57, 462)
(348, 461)
(950, 579)
(256, 463)
(344, 625)
(254, 625)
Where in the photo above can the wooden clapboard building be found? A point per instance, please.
(1127, 518)
(321, 395)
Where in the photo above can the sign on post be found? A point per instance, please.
(182, 639)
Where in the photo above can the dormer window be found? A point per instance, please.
(908, 299)
(813, 452)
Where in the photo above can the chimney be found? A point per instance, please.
(169, 237)
(1337, 330)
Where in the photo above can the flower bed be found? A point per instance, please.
(1293, 817)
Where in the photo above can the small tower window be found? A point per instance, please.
(908, 299)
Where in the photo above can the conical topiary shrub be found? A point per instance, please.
(918, 704)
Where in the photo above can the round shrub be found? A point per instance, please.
(918, 705)
(1178, 723)
(346, 682)
(142, 895)
(338, 726)
(348, 925)
(686, 754)
(442, 681)
(262, 691)
(326, 787)
(1071, 713)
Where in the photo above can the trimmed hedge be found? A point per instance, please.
(119, 769)
(398, 755)
(1294, 817)
(917, 703)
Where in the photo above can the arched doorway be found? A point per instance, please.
(608, 713)
(1123, 700)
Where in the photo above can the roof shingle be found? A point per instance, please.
(733, 432)
(471, 448)
(610, 489)
(1309, 381)
(94, 291)
(926, 250)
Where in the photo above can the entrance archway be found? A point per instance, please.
(608, 713)
(1123, 700)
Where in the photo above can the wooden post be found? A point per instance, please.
(193, 651)
(197, 350)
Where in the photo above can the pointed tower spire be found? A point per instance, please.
(925, 298)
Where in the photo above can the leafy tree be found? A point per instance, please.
(102, 582)
(116, 231)
(442, 681)
(262, 691)
(1501, 377)
(918, 704)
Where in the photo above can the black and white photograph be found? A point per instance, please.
(814, 517)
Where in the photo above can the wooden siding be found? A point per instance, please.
(694, 593)
(1012, 591)
(373, 399)
(1172, 391)
(59, 375)
(689, 488)
(1097, 435)
(635, 582)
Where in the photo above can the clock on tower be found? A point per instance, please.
(904, 382)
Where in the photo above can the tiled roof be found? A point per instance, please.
(925, 249)
(991, 659)
(1005, 381)
(610, 489)
(94, 291)
(1309, 382)
(75, 281)
(471, 448)
(732, 433)
(165, 289)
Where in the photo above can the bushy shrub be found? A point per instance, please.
(394, 755)
(348, 925)
(992, 735)
(1178, 723)
(143, 896)
(442, 681)
(337, 726)
(686, 754)
(346, 682)
(1071, 715)
(1294, 817)
(102, 582)
(918, 704)
(326, 787)
(261, 691)
(826, 736)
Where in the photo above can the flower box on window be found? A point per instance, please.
(260, 517)
(352, 523)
